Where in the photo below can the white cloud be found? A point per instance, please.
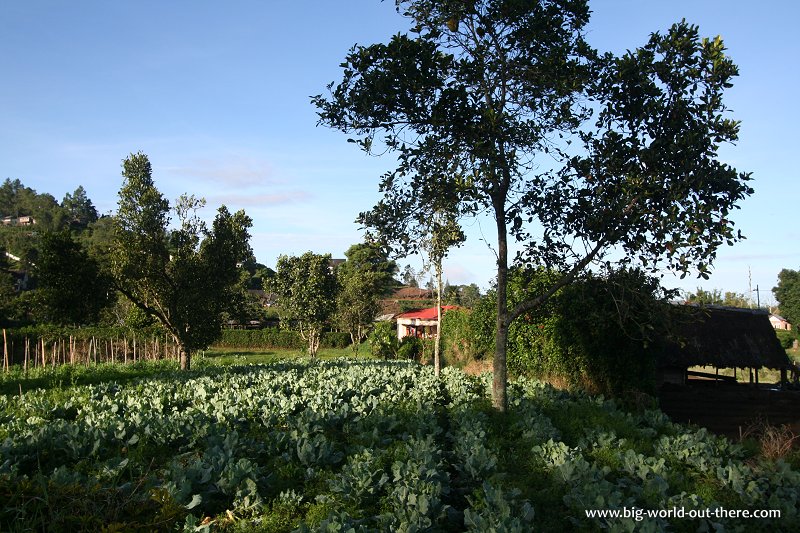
(261, 200)
(230, 171)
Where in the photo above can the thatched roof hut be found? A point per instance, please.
(724, 337)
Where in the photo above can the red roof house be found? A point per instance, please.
(420, 323)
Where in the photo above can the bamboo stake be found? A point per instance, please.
(5, 350)
(27, 354)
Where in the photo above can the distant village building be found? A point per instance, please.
(778, 322)
(18, 221)
(420, 323)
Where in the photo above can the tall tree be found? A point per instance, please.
(443, 234)
(787, 292)
(363, 279)
(79, 208)
(185, 278)
(71, 289)
(7, 290)
(487, 104)
(306, 289)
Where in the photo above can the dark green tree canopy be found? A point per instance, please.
(370, 257)
(71, 289)
(501, 107)
(787, 292)
(79, 208)
(185, 277)
(306, 288)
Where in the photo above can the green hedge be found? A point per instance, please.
(271, 338)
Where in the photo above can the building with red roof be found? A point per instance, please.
(421, 323)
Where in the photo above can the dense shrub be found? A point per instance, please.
(786, 338)
(335, 339)
(383, 340)
(410, 348)
(469, 334)
(599, 333)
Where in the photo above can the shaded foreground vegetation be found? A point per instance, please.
(362, 444)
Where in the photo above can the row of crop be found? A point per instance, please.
(660, 465)
(368, 446)
(227, 435)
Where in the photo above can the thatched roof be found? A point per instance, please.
(724, 337)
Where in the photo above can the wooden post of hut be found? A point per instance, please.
(5, 350)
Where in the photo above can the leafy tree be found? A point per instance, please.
(363, 279)
(716, 297)
(787, 292)
(704, 297)
(185, 278)
(476, 100)
(370, 256)
(469, 295)
(736, 299)
(71, 289)
(79, 208)
(306, 289)
(7, 290)
(98, 239)
(444, 233)
(14, 198)
(601, 333)
(409, 277)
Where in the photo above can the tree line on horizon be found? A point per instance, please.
(155, 263)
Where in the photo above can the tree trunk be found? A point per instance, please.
(437, 363)
(313, 343)
(186, 358)
(499, 370)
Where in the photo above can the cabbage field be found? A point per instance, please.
(361, 446)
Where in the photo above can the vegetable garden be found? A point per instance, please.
(359, 446)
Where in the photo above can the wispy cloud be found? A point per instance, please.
(229, 171)
(258, 200)
(762, 257)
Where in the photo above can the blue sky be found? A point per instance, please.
(217, 95)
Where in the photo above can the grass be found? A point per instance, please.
(239, 356)
(765, 375)
(17, 381)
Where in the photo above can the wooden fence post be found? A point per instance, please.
(5, 350)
